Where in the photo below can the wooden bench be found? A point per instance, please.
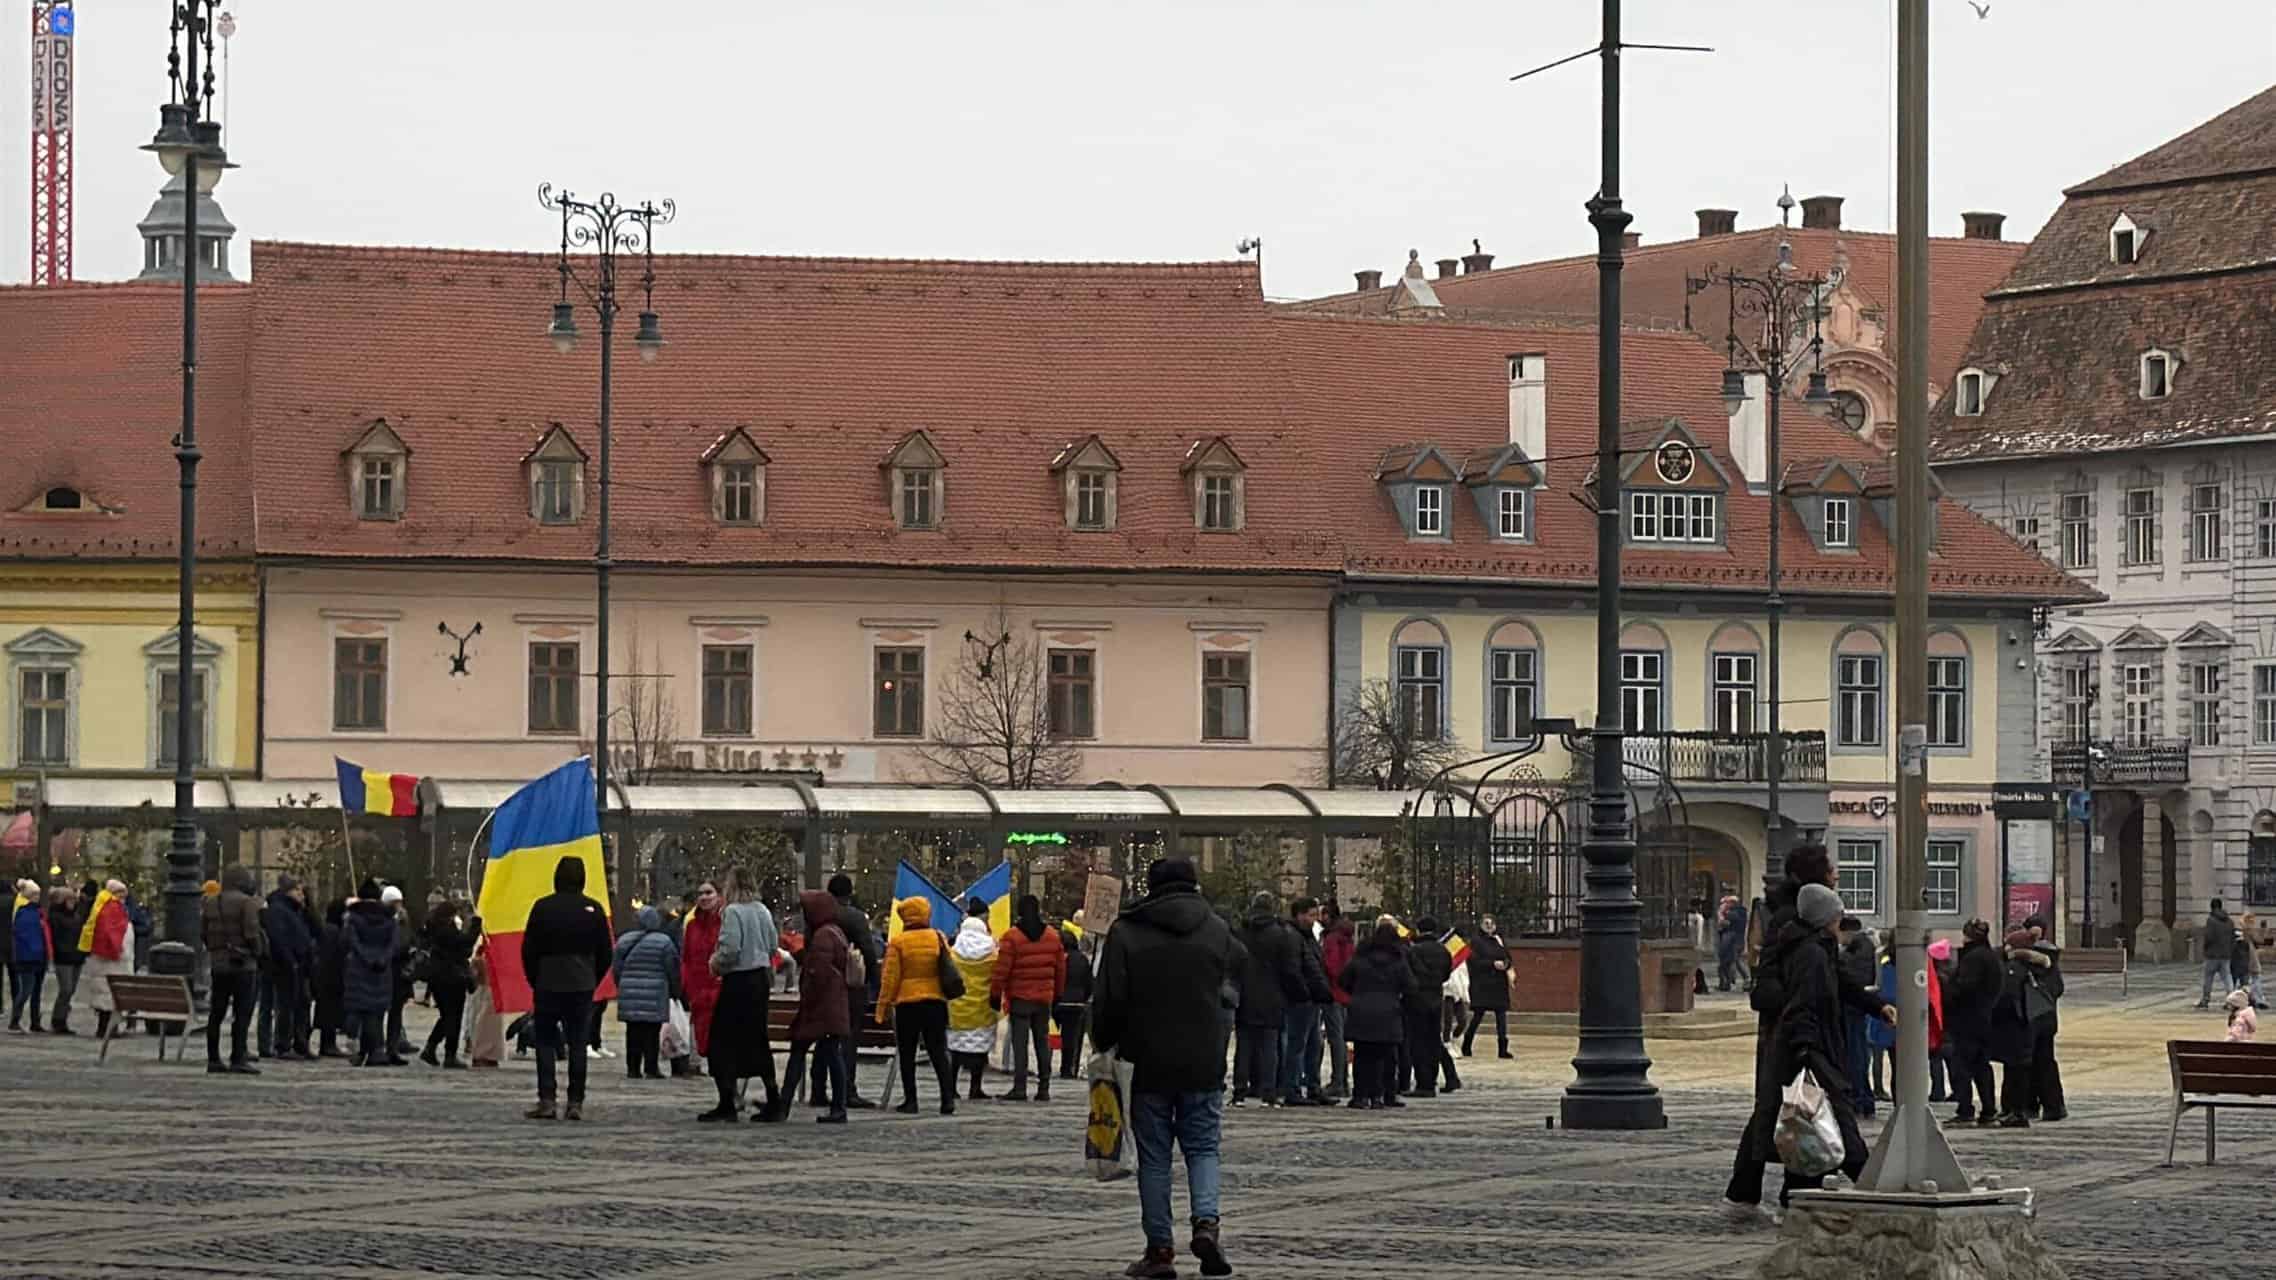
(162, 1002)
(2080, 961)
(870, 1042)
(2213, 1074)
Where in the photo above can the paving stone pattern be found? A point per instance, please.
(142, 1169)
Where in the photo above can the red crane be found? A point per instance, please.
(52, 28)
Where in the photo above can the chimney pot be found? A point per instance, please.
(1448, 268)
(1631, 239)
(1982, 226)
(1717, 222)
(1822, 212)
(1368, 280)
(1475, 262)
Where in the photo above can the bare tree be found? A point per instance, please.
(651, 737)
(994, 724)
(1382, 742)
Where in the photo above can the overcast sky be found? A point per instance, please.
(1343, 133)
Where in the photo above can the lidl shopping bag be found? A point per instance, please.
(1107, 1145)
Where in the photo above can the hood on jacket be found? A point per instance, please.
(1341, 928)
(1029, 917)
(239, 877)
(819, 908)
(650, 920)
(1173, 907)
(569, 875)
(1067, 940)
(973, 941)
(915, 913)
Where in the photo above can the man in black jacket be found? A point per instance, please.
(1164, 998)
(1300, 1024)
(1271, 980)
(282, 1027)
(859, 1001)
(1810, 1034)
(565, 949)
(1431, 963)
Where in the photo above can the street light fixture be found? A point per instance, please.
(1783, 302)
(608, 229)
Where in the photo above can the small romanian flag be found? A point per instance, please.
(383, 795)
(1457, 946)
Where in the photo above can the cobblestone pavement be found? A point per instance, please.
(317, 1170)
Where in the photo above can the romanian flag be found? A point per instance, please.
(994, 888)
(94, 916)
(552, 818)
(384, 795)
(1457, 946)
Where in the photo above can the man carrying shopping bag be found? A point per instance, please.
(1163, 1003)
(1810, 1037)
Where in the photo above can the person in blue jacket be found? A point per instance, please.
(28, 954)
(645, 963)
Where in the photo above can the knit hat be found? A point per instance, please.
(391, 895)
(2020, 939)
(2240, 998)
(1941, 949)
(1818, 906)
(1263, 903)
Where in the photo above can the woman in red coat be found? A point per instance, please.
(824, 1019)
(697, 938)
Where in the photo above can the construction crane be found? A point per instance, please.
(53, 26)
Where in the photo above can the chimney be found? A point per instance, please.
(1448, 268)
(1750, 432)
(1368, 280)
(1529, 406)
(1822, 212)
(1631, 239)
(1717, 222)
(1981, 226)
(1476, 260)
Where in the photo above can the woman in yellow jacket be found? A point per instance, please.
(972, 1017)
(909, 998)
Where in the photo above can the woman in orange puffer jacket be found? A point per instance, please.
(1031, 971)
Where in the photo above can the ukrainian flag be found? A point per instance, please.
(552, 818)
(994, 888)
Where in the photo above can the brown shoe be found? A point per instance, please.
(574, 1111)
(1160, 1263)
(542, 1111)
(1206, 1248)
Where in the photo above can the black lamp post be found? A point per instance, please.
(1781, 302)
(608, 228)
(188, 146)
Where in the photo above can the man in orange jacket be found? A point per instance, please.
(1031, 971)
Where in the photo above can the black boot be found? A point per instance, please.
(102, 1023)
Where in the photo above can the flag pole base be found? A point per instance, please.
(1873, 1235)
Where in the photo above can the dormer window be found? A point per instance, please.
(1220, 486)
(1839, 530)
(2125, 241)
(2158, 368)
(556, 478)
(1430, 511)
(378, 466)
(1672, 517)
(1501, 481)
(1088, 472)
(1511, 510)
(914, 484)
(61, 500)
(737, 469)
(1971, 394)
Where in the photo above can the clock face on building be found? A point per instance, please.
(1850, 411)
(1673, 461)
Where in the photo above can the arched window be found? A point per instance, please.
(1948, 680)
(1644, 678)
(1734, 678)
(1860, 689)
(1418, 671)
(1513, 681)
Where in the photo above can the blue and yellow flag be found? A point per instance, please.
(994, 888)
(553, 818)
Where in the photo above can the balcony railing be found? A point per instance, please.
(2153, 762)
(1704, 755)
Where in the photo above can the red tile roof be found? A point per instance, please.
(2240, 140)
(91, 399)
(1961, 272)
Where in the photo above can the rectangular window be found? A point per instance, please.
(1702, 517)
(1225, 697)
(917, 498)
(1941, 894)
(2140, 692)
(1422, 677)
(1857, 875)
(2207, 531)
(1430, 510)
(726, 690)
(556, 492)
(378, 487)
(900, 693)
(2078, 530)
(1074, 694)
(1971, 395)
(1671, 517)
(1220, 505)
(1513, 690)
(552, 688)
(2264, 527)
(2207, 683)
(1512, 508)
(1858, 698)
(359, 684)
(44, 726)
(1947, 702)
(2264, 705)
(2141, 526)
(1643, 690)
(1837, 522)
(2260, 872)
(1734, 692)
(2026, 531)
(739, 493)
(1090, 499)
(2154, 379)
(169, 716)
(2075, 715)
(1643, 518)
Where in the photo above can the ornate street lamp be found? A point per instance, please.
(608, 229)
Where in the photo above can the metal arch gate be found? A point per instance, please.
(1506, 850)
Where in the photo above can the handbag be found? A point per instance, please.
(951, 978)
(1108, 1150)
(857, 969)
(1808, 1135)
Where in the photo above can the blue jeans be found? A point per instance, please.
(1299, 1050)
(1860, 1062)
(1194, 1121)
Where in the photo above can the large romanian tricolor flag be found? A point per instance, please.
(384, 795)
(552, 818)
